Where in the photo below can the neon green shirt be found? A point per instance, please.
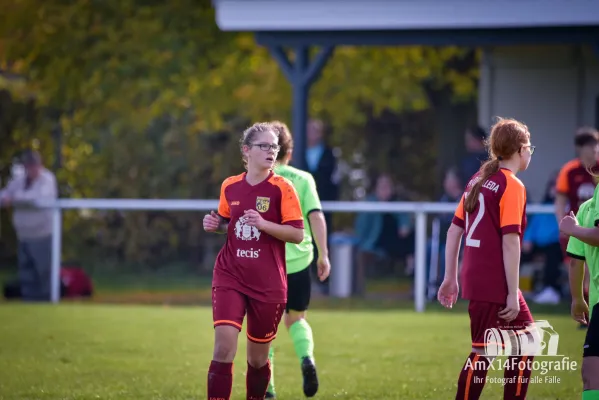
(299, 256)
(587, 216)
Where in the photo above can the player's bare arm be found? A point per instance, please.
(569, 226)
(511, 263)
(448, 292)
(580, 308)
(286, 233)
(319, 232)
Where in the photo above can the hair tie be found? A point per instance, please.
(499, 158)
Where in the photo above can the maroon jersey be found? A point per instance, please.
(501, 210)
(576, 183)
(253, 262)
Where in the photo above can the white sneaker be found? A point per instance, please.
(547, 296)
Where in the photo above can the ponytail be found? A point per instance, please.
(486, 170)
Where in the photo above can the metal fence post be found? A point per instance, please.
(56, 253)
(420, 260)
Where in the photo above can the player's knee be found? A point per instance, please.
(257, 354)
(225, 343)
(590, 373)
(224, 351)
(293, 316)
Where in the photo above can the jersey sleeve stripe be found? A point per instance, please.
(576, 256)
(458, 221)
(296, 223)
(313, 210)
(511, 229)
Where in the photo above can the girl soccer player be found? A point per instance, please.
(259, 211)
(583, 246)
(492, 215)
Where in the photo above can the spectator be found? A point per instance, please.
(476, 153)
(322, 164)
(382, 235)
(452, 191)
(33, 226)
(542, 238)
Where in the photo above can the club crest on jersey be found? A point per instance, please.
(262, 204)
(244, 231)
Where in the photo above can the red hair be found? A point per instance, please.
(506, 139)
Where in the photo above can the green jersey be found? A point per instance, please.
(299, 256)
(587, 216)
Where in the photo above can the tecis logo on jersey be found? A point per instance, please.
(251, 253)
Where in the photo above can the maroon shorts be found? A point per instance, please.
(230, 306)
(485, 323)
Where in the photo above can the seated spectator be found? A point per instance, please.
(452, 191)
(387, 236)
(541, 238)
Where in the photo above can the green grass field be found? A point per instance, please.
(92, 351)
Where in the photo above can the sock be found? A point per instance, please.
(517, 377)
(256, 381)
(301, 335)
(271, 360)
(220, 380)
(472, 377)
(590, 395)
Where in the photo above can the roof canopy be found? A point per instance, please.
(368, 15)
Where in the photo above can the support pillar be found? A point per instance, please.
(302, 73)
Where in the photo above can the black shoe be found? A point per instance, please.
(269, 396)
(310, 377)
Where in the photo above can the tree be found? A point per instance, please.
(151, 98)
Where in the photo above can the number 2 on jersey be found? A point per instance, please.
(470, 230)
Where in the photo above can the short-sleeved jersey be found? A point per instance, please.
(252, 261)
(501, 210)
(588, 217)
(576, 183)
(299, 256)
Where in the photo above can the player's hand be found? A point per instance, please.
(580, 310)
(211, 222)
(253, 218)
(323, 265)
(568, 223)
(512, 308)
(448, 293)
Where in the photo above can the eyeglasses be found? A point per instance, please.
(267, 146)
(532, 149)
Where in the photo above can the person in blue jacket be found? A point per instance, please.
(542, 237)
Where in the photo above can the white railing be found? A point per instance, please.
(421, 210)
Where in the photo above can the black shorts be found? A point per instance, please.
(591, 342)
(299, 288)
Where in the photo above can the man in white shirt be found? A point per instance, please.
(32, 225)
